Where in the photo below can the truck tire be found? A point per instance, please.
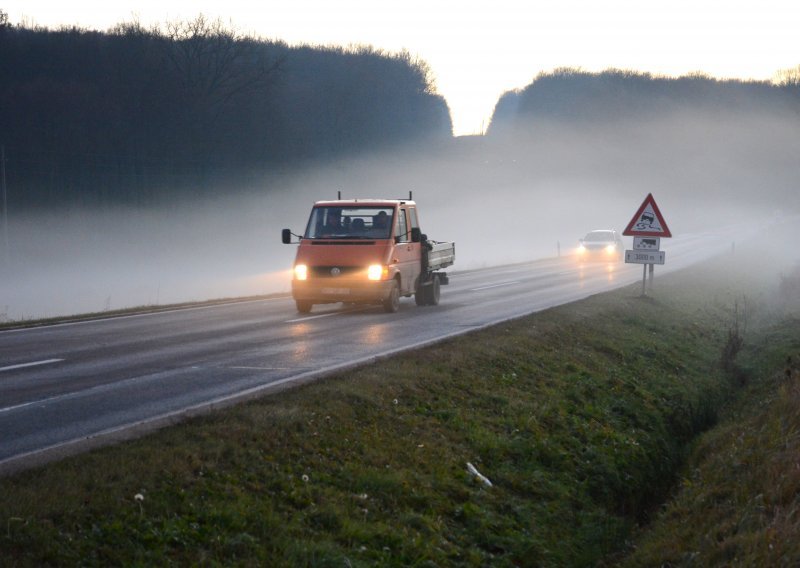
(420, 296)
(433, 292)
(391, 303)
(428, 295)
(303, 306)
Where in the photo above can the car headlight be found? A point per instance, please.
(301, 272)
(610, 248)
(581, 248)
(377, 272)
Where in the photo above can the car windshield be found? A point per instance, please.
(597, 236)
(333, 222)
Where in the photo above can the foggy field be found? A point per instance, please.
(502, 200)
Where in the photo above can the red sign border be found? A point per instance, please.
(665, 229)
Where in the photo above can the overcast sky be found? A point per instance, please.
(479, 49)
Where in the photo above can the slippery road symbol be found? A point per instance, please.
(648, 221)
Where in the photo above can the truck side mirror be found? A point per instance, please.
(286, 236)
(416, 235)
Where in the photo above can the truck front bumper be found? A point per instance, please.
(330, 290)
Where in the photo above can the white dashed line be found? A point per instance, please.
(307, 318)
(494, 286)
(34, 364)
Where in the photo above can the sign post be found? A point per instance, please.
(647, 227)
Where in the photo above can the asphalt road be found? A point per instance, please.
(69, 387)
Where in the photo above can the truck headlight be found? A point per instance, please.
(301, 272)
(377, 272)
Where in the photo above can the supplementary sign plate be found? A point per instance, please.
(646, 243)
(644, 256)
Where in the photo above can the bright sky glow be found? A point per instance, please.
(478, 49)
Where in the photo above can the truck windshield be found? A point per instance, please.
(332, 222)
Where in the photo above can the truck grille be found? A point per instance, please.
(330, 271)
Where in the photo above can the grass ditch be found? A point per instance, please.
(738, 502)
(580, 416)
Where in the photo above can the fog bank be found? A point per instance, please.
(505, 200)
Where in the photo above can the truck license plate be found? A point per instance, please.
(337, 291)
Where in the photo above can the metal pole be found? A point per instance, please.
(5, 202)
(644, 280)
(652, 270)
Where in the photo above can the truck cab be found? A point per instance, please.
(361, 251)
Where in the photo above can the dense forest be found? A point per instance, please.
(134, 114)
(574, 96)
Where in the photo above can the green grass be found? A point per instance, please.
(581, 417)
(739, 502)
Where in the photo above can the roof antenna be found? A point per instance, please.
(339, 195)
(410, 198)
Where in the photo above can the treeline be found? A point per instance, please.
(134, 113)
(575, 96)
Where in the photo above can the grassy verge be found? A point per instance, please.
(579, 416)
(739, 502)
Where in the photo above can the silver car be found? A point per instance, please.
(602, 244)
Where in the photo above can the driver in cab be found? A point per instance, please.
(333, 225)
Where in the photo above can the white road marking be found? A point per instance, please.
(329, 314)
(143, 315)
(263, 368)
(83, 392)
(494, 286)
(34, 364)
(23, 405)
(307, 318)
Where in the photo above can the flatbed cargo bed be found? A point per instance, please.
(441, 255)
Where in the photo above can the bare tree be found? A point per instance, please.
(788, 77)
(215, 64)
(213, 68)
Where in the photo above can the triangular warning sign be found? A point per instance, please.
(648, 221)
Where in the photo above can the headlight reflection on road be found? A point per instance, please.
(610, 270)
(299, 332)
(373, 334)
(596, 271)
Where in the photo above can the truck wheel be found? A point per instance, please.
(303, 306)
(420, 296)
(392, 301)
(433, 292)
